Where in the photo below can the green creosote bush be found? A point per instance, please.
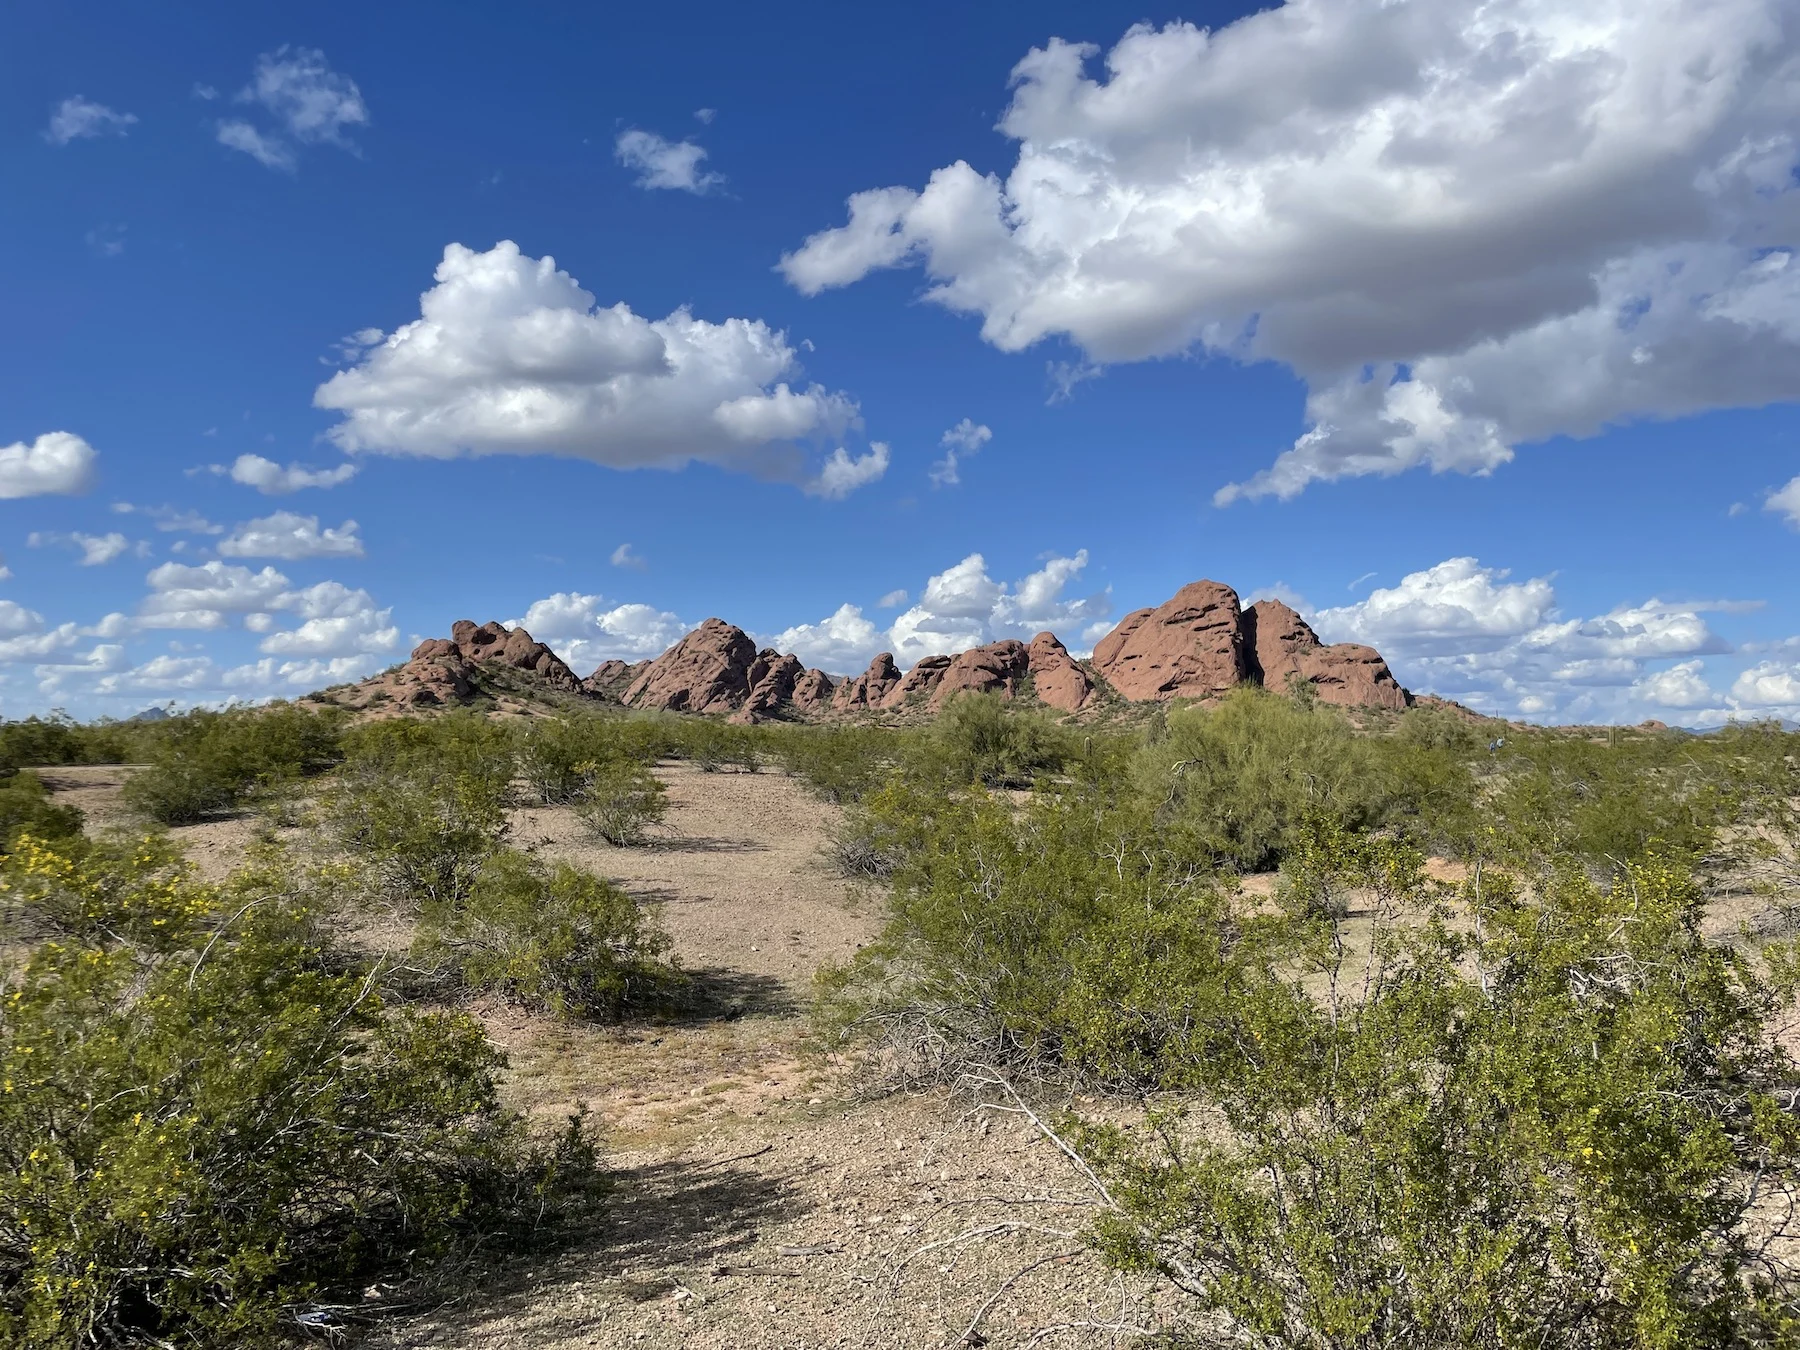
(209, 1139)
(25, 807)
(204, 763)
(839, 764)
(622, 802)
(59, 739)
(1548, 1131)
(552, 938)
(558, 756)
(980, 738)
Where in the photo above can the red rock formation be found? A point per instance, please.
(997, 667)
(512, 647)
(772, 679)
(1055, 678)
(920, 682)
(612, 678)
(708, 671)
(868, 689)
(1190, 646)
(1286, 650)
(812, 692)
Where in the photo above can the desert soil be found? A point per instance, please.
(763, 1198)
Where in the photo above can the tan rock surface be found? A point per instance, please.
(1285, 650)
(868, 689)
(998, 667)
(919, 683)
(1190, 646)
(1055, 677)
(708, 671)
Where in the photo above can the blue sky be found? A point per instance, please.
(1476, 339)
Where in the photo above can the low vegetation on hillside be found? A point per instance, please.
(1420, 1033)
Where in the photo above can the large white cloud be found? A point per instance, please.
(587, 629)
(58, 462)
(205, 596)
(1786, 501)
(511, 356)
(336, 621)
(1467, 225)
(960, 607)
(291, 537)
(1468, 632)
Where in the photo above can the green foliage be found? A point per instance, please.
(208, 1138)
(1546, 1132)
(25, 807)
(557, 939)
(621, 801)
(59, 739)
(980, 738)
(840, 764)
(560, 757)
(204, 763)
(420, 806)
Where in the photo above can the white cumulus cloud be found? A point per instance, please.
(1786, 501)
(662, 163)
(841, 475)
(337, 621)
(301, 101)
(96, 550)
(1466, 225)
(58, 462)
(205, 596)
(511, 356)
(844, 641)
(586, 629)
(291, 537)
(623, 556)
(275, 480)
(962, 440)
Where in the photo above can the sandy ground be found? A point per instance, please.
(761, 1203)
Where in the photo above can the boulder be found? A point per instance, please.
(1055, 678)
(919, 682)
(708, 671)
(868, 689)
(512, 647)
(812, 692)
(1285, 650)
(612, 678)
(1190, 646)
(995, 668)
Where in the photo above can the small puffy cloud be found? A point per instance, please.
(843, 641)
(203, 597)
(291, 537)
(842, 475)
(1469, 632)
(78, 118)
(16, 619)
(56, 463)
(1466, 227)
(662, 163)
(1768, 686)
(622, 556)
(301, 101)
(962, 440)
(170, 519)
(585, 630)
(275, 480)
(96, 550)
(511, 356)
(1786, 501)
(892, 600)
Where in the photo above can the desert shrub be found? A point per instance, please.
(839, 764)
(554, 938)
(621, 802)
(559, 756)
(203, 763)
(1232, 783)
(855, 847)
(209, 1139)
(1550, 1131)
(25, 807)
(420, 806)
(59, 739)
(980, 738)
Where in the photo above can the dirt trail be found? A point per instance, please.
(760, 1205)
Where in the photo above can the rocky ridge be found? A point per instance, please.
(1198, 644)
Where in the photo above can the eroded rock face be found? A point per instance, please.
(868, 689)
(996, 668)
(919, 683)
(708, 671)
(1058, 682)
(772, 679)
(612, 678)
(1190, 646)
(512, 647)
(1286, 650)
(813, 692)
